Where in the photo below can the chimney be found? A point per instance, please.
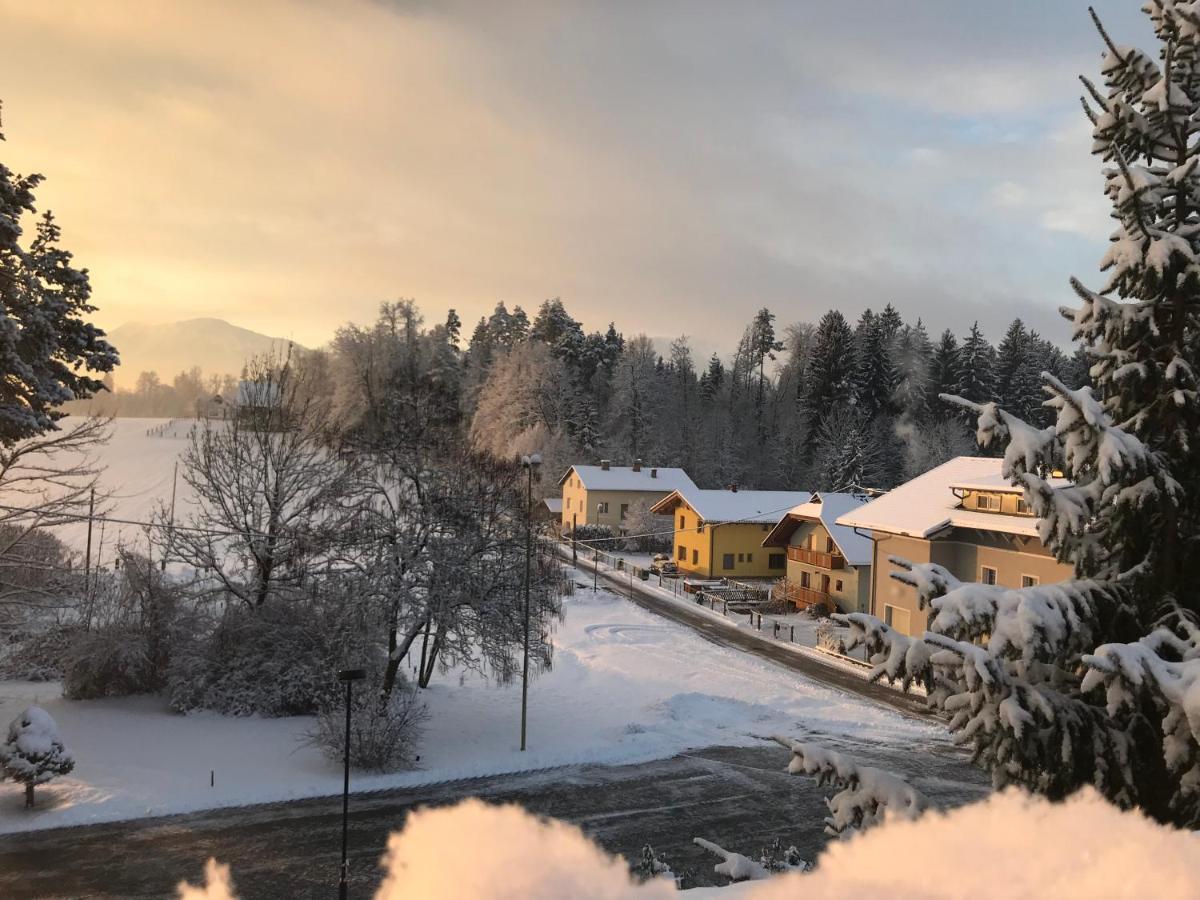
(604, 465)
(654, 473)
(637, 465)
(733, 487)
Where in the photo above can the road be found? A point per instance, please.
(739, 797)
(644, 596)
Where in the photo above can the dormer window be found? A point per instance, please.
(989, 502)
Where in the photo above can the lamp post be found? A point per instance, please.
(596, 556)
(530, 463)
(349, 676)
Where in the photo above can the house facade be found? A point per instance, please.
(827, 564)
(719, 533)
(963, 515)
(607, 494)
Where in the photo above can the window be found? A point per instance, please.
(1023, 507)
(695, 557)
(602, 508)
(1029, 580)
(681, 552)
(727, 562)
(681, 526)
(624, 511)
(987, 575)
(987, 501)
(828, 545)
(749, 557)
(839, 585)
(741, 557)
(804, 579)
(777, 561)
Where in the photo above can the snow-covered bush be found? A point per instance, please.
(603, 534)
(280, 659)
(384, 735)
(113, 661)
(647, 532)
(37, 655)
(34, 752)
(830, 637)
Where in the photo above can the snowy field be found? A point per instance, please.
(626, 686)
(138, 465)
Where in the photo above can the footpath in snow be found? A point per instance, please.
(626, 686)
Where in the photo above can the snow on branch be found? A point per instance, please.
(734, 866)
(868, 796)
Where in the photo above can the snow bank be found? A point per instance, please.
(1010, 845)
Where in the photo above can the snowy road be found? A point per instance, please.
(737, 796)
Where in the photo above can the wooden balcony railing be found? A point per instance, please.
(801, 597)
(816, 558)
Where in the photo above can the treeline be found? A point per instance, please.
(811, 406)
(188, 394)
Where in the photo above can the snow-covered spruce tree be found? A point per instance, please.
(1097, 680)
(46, 346)
(34, 753)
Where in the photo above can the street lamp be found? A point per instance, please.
(596, 555)
(349, 676)
(530, 464)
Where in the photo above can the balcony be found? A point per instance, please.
(816, 558)
(801, 597)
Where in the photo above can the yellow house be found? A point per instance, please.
(963, 515)
(827, 564)
(719, 534)
(606, 494)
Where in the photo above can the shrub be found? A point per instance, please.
(34, 751)
(39, 656)
(109, 662)
(599, 533)
(280, 659)
(828, 637)
(382, 738)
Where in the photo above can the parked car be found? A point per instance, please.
(663, 565)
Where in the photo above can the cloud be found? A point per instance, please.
(672, 166)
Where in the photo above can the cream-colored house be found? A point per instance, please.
(719, 534)
(606, 494)
(827, 564)
(963, 515)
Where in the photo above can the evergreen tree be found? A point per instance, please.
(1018, 385)
(1095, 680)
(976, 367)
(764, 346)
(829, 379)
(945, 375)
(874, 372)
(34, 752)
(47, 348)
(914, 355)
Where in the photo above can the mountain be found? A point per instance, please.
(216, 346)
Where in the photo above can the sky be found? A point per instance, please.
(672, 166)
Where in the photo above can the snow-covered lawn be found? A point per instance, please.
(626, 686)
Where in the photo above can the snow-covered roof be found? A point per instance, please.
(998, 483)
(826, 508)
(624, 478)
(554, 504)
(765, 507)
(927, 504)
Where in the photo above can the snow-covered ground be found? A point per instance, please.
(138, 477)
(626, 686)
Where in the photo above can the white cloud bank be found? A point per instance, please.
(1010, 845)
